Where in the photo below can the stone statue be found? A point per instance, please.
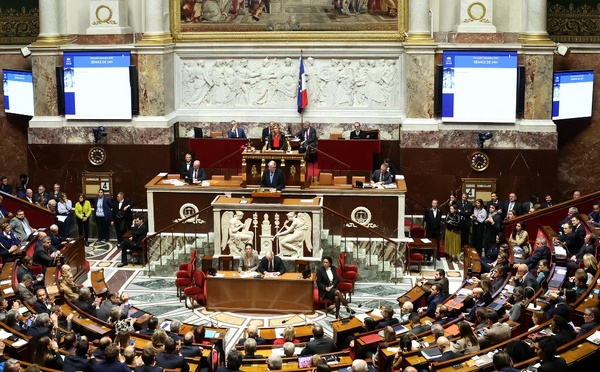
(235, 233)
(293, 237)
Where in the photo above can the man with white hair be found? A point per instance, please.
(359, 365)
(274, 362)
(272, 177)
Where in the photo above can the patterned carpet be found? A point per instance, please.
(158, 296)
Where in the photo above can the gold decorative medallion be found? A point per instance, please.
(97, 156)
(103, 16)
(479, 161)
(476, 10)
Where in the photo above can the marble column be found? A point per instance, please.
(154, 32)
(49, 23)
(420, 71)
(535, 30)
(419, 27)
(62, 24)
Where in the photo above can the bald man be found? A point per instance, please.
(196, 174)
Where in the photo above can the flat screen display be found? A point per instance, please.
(479, 86)
(18, 92)
(97, 85)
(572, 94)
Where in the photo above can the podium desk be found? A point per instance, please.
(287, 293)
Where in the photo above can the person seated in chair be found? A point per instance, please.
(388, 317)
(381, 176)
(134, 244)
(250, 349)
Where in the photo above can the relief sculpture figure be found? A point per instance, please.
(295, 232)
(235, 233)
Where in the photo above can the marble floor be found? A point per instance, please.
(158, 295)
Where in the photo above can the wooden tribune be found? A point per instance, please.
(288, 293)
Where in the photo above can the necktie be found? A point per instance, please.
(270, 266)
(380, 177)
(306, 135)
(271, 177)
(236, 133)
(195, 174)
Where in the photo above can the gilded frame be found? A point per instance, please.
(301, 36)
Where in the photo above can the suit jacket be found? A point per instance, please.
(538, 254)
(3, 210)
(386, 178)
(16, 227)
(148, 369)
(420, 329)
(517, 208)
(278, 265)
(386, 322)
(278, 181)
(41, 307)
(499, 205)
(184, 168)
(190, 351)
(6, 242)
(432, 302)
(115, 366)
(168, 360)
(553, 365)
(26, 294)
(190, 175)
(138, 233)
(41, 256)
(586, 327)
(121, 213)
(432, 224)
(447, 355)
(88, 308)
(37, 332)
(266, 134)
(307, 139)
(106, 208)
(38, 196)
(249, 264)
(323, 281)
(497, 333)
(74, 363)
(56, 241)
(466, 210)
(318, 346)
(572, 242)
(240, 133)
(104, 311)
(360, 135)
(444, 283)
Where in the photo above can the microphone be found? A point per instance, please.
(287, 320)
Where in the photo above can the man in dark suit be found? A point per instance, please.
(41, 196)
(271, 264)
(188, 349)
(86, 303)
(433, 300)
(196, 174)
(568, 239)
(234, 362)
(588, 247)
(578, 229)
(524, 278)
(388, 318)
(79, 361)
(545, 348)
(446, 349)
(415, 324)
(433, 224)
(250, 349)
(112, 299)
(494, 200)
(235, 131)
(266, 133)
(307, 136)
(111, 362)
(465, 209)
(153, 325)
(25, 268)
(319, 345)
(57, 241)
(103, 214)
(186, 165)
(134, 243)
(44, 254)
(169, 359)
(357, 133)
(122, 216)
(252, 332)
(512, 204)
(5, 186)
(42, 326)
(149, 359)
(41, 305)
(547, 202)
(272, 177)
(541, 252)
(3, 212)
(381, 176)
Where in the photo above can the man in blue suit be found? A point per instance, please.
(436, 297)
(103, 214)
(272, 177)
(235, 131)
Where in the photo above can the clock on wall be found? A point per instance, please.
(97, 155)
(479, 161)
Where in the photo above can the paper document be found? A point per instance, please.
(425, 240)
(4, 334)
(409, 240)
(5, 282)
(20, 342)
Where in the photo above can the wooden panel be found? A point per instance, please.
(283, 294)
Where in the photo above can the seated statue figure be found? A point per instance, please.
(235, 233)
(292, 237)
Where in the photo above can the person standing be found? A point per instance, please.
(433, 224)
(452, 237)
(122, 216)
(479, 215)
(64, 208)
(492, 227)
(103, 215)
(357, 133)
(272, 177)
(186, 165)
(83, 210)
(465, 209)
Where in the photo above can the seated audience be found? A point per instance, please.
(233, 362)
(188, 349)
(289, 335)
(388, 317)
(546, 351)
(250, 349)
(446, 349)
(46, 354)
(170, 358)
(274, 362)
(519, 351)
(414, 320)
(514, 306)
(149, 359)
(519, 238)
(541, 252)
(381, 176)
(503, 363)
(405, 310)
(439, 279)
(543, 273)
(442, 314)
(495, 333)
(589, 247)
(319, 345)
(433, 300)
(563, 332)
(79, 361)
(111, 362)
(591, 320)
(252, 332)
(467, 343)
(152, 325)
(524, 278)
(9, 244)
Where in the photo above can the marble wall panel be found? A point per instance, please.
(538, 86)
(44, 83)
(463, 139)
(420, 70)
(151, 73)
(115, 135)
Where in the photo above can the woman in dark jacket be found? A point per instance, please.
(327, 282)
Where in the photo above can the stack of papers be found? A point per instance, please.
(595, 338)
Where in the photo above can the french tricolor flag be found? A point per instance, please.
(302, 92)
